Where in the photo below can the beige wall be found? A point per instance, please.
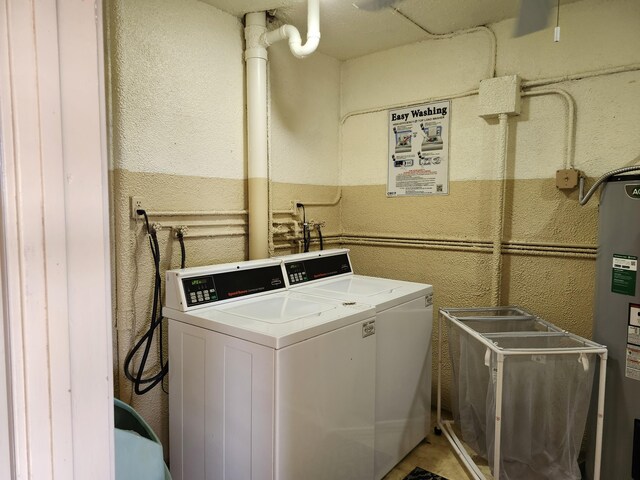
(549, 241)
(178, 141)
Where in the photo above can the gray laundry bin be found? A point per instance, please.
(138, 449)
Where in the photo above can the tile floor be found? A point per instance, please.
(435, 455)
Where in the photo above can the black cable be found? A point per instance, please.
(320, 236)
(156, 322)
(183, 254)
(306, 232)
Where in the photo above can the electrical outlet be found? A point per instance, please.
(294, 207)
(137, 203)
(567, 179)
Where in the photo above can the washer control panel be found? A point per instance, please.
(198, 290)
(302, 271)
(210, 288)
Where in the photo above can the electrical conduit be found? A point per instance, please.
(257, 40)
(496, 258)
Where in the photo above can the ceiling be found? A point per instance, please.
(349, 32)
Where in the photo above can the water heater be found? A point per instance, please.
(617, 325)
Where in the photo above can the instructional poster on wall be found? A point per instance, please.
(418, 160)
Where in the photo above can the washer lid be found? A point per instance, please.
(381, 293)
(278, 309)
(276, 320)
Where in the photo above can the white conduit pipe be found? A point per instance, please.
(196, 213)
(438, 36)
(579, 76)
(270, 230)
(496, 260)
(393, 106)
(571, 120)
(467, 249)
(291, 33)
(419, 239)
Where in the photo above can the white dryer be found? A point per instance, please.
(404, 320)
(265, 383)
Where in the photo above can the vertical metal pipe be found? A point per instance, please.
(496, 259)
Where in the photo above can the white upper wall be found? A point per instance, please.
(411, 73)
(179, 101)
(596, 35)
(304, 117)
(178, 106)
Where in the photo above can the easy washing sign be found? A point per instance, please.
(418, 161)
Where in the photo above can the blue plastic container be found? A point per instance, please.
(138, 449)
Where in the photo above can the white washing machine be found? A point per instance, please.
(265, 383)
(404, 320)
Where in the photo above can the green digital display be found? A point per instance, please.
(199, 281)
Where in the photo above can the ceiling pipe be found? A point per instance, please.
(290, 32)
(257, 40)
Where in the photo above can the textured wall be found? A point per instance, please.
(177, 88)
(548, 240)
(177, 140)
(304, 109)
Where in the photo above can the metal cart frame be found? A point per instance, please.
(446, 426)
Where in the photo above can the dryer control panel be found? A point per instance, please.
(318, 268)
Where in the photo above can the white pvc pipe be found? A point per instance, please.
(256, 58)
(257, 40)
(293, 35)
(571, 119)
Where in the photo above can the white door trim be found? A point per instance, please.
(55, 239)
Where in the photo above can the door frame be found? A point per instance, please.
(55, 283)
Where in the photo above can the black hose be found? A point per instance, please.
(306, 232)
(183, 254)
(320, 236)
(156, 322)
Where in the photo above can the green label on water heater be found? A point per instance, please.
(623, 275)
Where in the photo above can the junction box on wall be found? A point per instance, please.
(499, 95)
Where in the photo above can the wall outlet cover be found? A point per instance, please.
(137, 203)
